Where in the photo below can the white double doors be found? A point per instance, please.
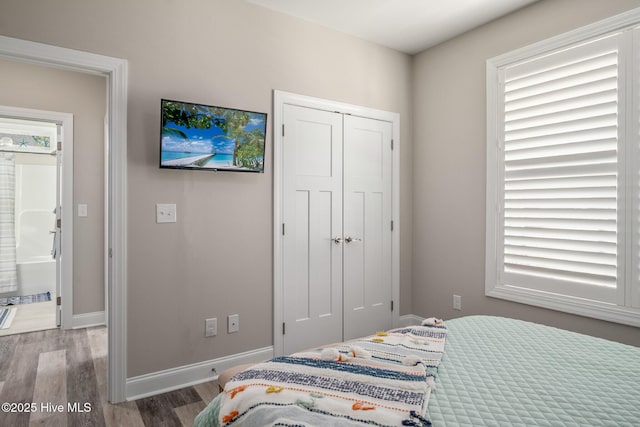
(337, 212)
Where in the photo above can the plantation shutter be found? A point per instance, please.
(560, 205)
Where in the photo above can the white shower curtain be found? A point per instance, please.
(8, 274)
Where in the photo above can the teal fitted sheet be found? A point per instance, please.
(505, 372)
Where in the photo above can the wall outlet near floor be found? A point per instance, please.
(457, 302)
(233, 324)
(211, 327)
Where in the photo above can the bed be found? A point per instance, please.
(499, 372)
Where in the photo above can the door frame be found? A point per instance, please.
(280, 98)
(115, 71)
(66, 199)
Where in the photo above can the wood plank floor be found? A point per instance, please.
(56, 367)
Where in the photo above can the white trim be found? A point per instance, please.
(491, 197)
(115, 70)
(278, 274)
(626, 150)
(581, 307)
(117, 302)
(105, 196)
(625, 312)
(409, 320)
(87, 320)
(66, 183)
(66, 218)
(188, 375)
(633, 246)
(280, 98)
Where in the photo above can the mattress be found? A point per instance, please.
(505, 372)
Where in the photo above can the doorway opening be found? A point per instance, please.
(115, 70)
(33, 186)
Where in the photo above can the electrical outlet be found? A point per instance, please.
(165, 212)
(210, 327)
(233, 323)
(457, 302)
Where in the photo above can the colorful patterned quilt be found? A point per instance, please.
(382, 380)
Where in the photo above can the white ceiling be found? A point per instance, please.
(406, 25)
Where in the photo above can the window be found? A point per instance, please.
(563, 182)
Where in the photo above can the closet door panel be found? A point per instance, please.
(377, 268)
(312, 216)
(367, 226)
(354, 251)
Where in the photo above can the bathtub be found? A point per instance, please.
(35, 266)
(35, 277)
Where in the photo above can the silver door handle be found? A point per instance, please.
(337, 240)
(350, 239)
(52, 232)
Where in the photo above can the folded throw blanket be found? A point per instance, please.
(381, 380)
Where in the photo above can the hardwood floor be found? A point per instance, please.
(50, 370)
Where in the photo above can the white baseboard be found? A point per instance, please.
(86, 320)
(184, 376)
(410, 320)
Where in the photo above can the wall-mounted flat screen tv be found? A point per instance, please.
(205, 137)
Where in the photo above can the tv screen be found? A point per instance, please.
(205, 137)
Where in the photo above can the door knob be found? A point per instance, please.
(350, 239)
(337, 240)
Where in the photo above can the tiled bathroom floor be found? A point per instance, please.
(32, 317)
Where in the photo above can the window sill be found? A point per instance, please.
(582, 307)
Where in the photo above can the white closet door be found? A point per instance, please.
(312, 216)
(367, 226)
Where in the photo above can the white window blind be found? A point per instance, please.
(563, 172)
(560, 205)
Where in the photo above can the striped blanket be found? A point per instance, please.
(382, 380)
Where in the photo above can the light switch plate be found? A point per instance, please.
(82, 209)
(211, 327)
(457, 302)
(165, 212)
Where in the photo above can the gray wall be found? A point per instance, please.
(31, 86)
(216, 260)
(450, 164)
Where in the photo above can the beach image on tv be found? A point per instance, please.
(207, 137)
